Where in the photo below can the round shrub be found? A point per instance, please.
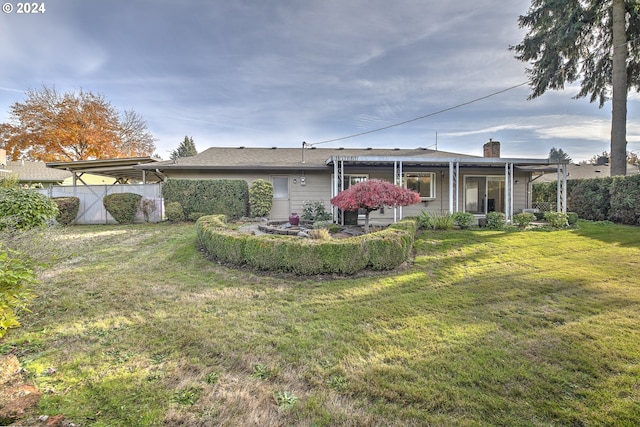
(122, 206)
(556, 219)
(523, 219)
(496, 220)
(174, 212)
(67, 209)
(572, 218)
(260, 198)
(463, 219)
(23, 209)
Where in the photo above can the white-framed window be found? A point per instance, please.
(423, 183)
(348, 181)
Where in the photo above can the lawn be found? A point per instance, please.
(133, 326)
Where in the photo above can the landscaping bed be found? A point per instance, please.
(383, 250)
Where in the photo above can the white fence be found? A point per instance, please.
(92, 210)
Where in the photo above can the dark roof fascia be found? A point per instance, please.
(243, 167)
(466, 161)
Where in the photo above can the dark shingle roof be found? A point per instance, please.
(286, 158)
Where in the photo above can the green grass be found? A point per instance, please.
(485, 328)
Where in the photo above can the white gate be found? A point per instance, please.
(92, 211)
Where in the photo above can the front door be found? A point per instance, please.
(281, 203)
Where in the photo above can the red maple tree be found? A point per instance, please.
(372, 195)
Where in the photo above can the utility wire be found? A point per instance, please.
(421, 117)
(434, 113)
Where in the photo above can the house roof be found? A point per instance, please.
(33, 172)
(582, 171)
(309, 158)
(119, 169)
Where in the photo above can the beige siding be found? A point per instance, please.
(317, 186)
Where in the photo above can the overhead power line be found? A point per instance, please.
(629, 42)
(444, 110)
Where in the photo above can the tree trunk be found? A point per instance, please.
(618, 159)
(366, 221)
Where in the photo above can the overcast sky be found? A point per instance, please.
(262, 73)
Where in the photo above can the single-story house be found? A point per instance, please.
(30, 174)
(446, 182)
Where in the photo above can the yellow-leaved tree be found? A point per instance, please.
(50, 126)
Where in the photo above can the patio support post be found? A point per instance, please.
(395, 182)
(335, 189)
(562, 188)
(508, 191)
(450, 187)
(454, 188)
(341, 184)
(457, 187)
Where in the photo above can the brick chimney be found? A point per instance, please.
(491, 148)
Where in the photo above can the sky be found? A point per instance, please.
(264, 73)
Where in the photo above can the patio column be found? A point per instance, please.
(335, 188)
(397, 180)
(454, 188)
(562, 188)
(508, 191)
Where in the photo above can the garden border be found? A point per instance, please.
(383, 250)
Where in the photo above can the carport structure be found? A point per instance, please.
(121, 170)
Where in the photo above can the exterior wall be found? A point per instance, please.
(318, 186)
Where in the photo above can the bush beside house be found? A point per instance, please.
(208, 196)
(260, 198)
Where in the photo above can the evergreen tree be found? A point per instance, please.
(558, 155)
(597, 42)
(186, 149)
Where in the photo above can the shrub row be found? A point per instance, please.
(382, 250)
(208, 196)
(615, 199)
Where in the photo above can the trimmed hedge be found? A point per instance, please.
(615, 199)
(383, 250)
(590, 199)
(67, 209)
(625, 200)
(208, 196)
(122, 206)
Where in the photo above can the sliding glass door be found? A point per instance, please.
(484, 194)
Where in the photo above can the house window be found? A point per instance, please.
(280, 187)
(423, 183)
(348, 181)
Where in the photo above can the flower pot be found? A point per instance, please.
(294, 219)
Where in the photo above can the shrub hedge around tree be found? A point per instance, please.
(383, 250)
(67, 209)
(122, 206)
(208, 196)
